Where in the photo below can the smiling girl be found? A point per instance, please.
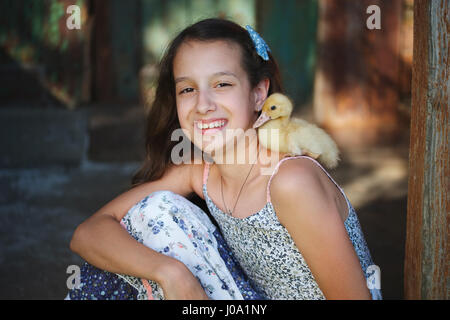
(291, 234)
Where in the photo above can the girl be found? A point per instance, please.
(293, 232)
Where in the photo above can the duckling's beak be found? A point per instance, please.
(263, 118)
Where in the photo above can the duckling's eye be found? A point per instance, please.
(273, 107)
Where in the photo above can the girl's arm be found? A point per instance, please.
(104, 243)
(313, 220)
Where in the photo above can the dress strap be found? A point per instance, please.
(205, 172)
(296, 157)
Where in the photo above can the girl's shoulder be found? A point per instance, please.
(302, 178)
(296, 173)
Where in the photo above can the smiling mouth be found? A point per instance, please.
(216, 124)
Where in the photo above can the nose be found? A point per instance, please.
(204, 102)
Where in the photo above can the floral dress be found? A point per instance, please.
(170, 224)
(269, 256)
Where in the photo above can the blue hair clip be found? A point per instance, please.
(260, 45)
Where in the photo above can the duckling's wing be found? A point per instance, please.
(299, 122)
(306, 136)
(294, 147)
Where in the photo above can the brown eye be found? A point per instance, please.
(223, 84)
(273, 107)
(187, 90)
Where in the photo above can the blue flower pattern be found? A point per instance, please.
(172, 225)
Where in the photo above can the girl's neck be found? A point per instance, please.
(235, 165)
(235, 170)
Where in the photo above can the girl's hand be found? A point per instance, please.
(178, 283)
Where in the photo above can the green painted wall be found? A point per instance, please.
(289, 27)
(162, 20)
(125, 47)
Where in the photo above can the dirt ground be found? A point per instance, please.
(41, 207)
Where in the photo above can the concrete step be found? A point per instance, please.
(33, 137)
(116, 133)
(36, 137)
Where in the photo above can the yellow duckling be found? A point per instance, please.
(295, 136)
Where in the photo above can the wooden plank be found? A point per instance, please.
(41, 60)
(356, 91)
(125, 48)
(104, 73)
(426, 254)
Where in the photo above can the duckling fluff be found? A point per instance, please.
(295, 136)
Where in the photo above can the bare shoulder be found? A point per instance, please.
(296, 173)
(298, 188)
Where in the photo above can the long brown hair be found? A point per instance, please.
(162, 118)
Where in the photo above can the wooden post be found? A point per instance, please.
(116, 51)
(426, 256)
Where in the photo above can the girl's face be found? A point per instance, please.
(213, 93)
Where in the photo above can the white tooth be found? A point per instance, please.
(205, 126)
(211, 125)
(216, 124)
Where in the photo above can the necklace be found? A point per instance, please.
(239, 194)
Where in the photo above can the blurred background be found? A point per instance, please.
(73, 106)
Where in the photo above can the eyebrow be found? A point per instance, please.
(221, 73)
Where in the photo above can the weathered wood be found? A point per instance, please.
(104, 72)
(428, 220)
(42, 60)
(356, 90)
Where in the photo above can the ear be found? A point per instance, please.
(260, 93)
